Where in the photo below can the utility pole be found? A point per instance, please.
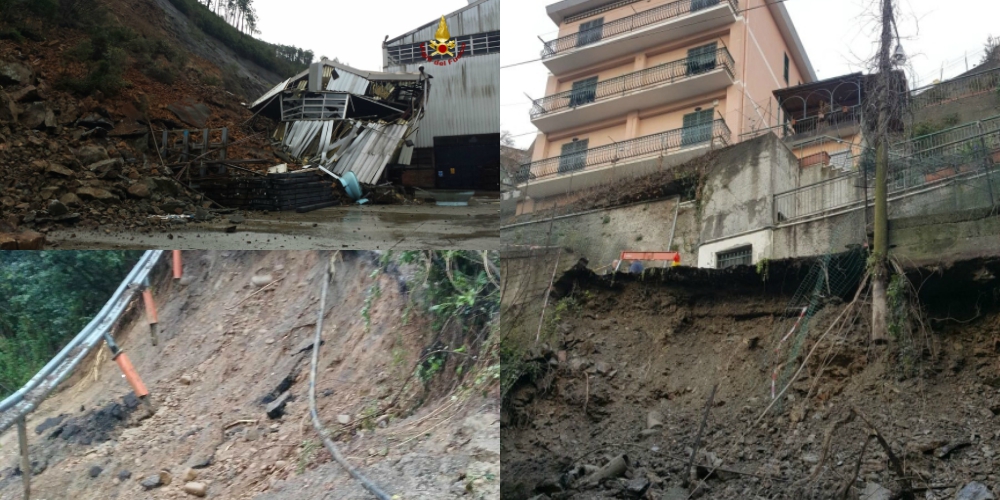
(881, 253)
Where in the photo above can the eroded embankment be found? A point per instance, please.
(236, 335)
(633, 364)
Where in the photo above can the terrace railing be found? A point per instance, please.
(956, 88)
(628, 24)
(842, 117)
(916, 163)
(670, 72)
(662, 143)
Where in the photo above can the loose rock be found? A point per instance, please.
(196, 489)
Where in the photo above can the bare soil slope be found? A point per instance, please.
(225, 348)
(641, 346)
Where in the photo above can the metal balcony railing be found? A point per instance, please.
(670, 72)
(841, 118)
(628, 24)
(957, 88)
(948, 141)
(958, 152)
(664, 142)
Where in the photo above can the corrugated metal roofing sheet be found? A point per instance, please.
(477, 17)
(368, 155)
(350, 79)
(271, 93)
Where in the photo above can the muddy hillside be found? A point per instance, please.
(229, 381)
(82, 86)
(715, 384)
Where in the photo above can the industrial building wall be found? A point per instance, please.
(464, 96)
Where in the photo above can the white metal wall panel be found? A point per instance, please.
(349, 82)
(464, 99)
(478, 18)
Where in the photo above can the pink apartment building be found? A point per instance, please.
(638, 85)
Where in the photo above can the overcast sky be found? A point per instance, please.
(349, 31)
(837, 35)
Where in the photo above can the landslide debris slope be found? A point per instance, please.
(82, 85)
(235, 340)
(627, 369)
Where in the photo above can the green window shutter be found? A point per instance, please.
(701, 59)
(574, 156)
(590, 32)
(584, 91)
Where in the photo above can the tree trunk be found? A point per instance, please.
(881, 253)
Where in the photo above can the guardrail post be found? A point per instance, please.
(22, 438)
(147, 301)
(178, 269)
(131, 375)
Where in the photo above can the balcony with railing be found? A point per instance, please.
(844, 121)
(967, 151)
(619, 161)
(685, 78)
(628, 35)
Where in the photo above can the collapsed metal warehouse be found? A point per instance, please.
(333, 115)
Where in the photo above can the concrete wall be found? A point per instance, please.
(739, 187)
(601, 236)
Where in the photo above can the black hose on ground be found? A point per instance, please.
(332, 448)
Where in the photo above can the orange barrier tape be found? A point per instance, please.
(147, 300)
(178, 270)
(130, 375)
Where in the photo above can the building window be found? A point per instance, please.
(574, 156)
(742, 256)
(590, 32)
(697, 5)
(697, 127)
(584, 91)
(701, 59)
(786, 69)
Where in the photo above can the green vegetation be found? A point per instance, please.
(460, 291)
(926, 128)
(306, 454)
(281, 59)
(46, 298)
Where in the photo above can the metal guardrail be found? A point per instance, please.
(26, 399)
(669, 72)
(956, 88)
(671, 140)
(642, 19)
